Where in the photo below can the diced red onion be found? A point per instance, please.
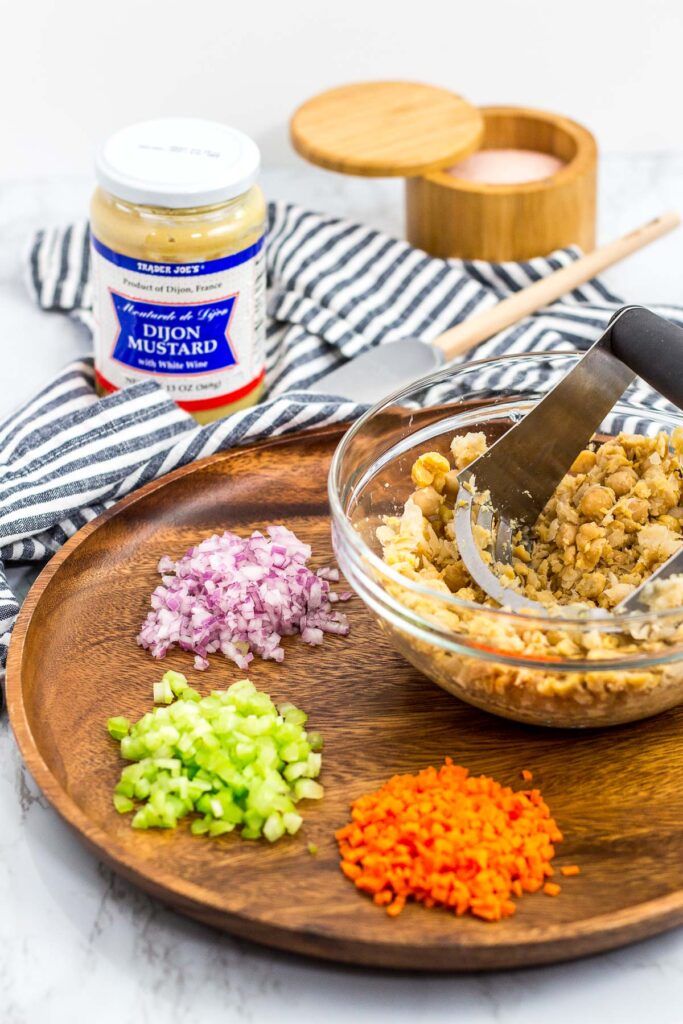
(241, 596)
(327, 573)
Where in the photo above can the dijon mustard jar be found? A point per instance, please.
(178, 227)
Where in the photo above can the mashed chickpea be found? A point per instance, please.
(612, 521)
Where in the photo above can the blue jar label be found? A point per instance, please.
(196, 327)
(156, 338)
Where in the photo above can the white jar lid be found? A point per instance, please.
(177, 162)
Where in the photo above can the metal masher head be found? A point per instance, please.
(503, 492)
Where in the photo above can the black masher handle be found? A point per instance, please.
(652, 347)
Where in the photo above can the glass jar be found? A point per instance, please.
(177, 231)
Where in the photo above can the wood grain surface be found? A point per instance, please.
(73, 662)
(385, 129)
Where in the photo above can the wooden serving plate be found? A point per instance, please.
(73, 662)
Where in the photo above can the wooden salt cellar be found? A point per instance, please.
(404, 129)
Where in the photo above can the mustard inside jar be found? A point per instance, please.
(178, 228)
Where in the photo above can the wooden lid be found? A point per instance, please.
(386, 129)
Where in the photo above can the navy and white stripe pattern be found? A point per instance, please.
(335, 289)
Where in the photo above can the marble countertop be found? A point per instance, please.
(79, 944)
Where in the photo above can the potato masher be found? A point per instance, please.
(506, 488)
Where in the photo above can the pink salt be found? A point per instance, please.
(506, 166)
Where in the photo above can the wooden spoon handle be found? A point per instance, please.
(468, 334)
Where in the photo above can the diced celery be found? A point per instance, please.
(267, 752)
(288, 733)
(125, 788)
(239, 788)
(283, 804)
(242, 688)
(219, 828)
(203, 759)
(292, 822)
(315, 741)
(204, 803)
(157, 800)
(291, 752)
(142, 789)
(185, 744)
(296, 717)
(118, 727)
(180, 784)
(210, 704)
(261, 799)
(154, 741)
(169, 734)
(296, 770)
(219, 763)
(122, 803)
(132, 749)
(252, 820)
(177, 682)
(226, 722)
(233, 813)
(244, 752)
(255, 725)
(231, 757)
(273, 827)
(250, 833)
(210, 741)
(308, 789)
(163, 694)
(261, 704)
(175, 806)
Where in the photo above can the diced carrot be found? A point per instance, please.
(570, 869)
(444, 838)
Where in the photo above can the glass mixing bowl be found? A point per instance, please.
(630, 666)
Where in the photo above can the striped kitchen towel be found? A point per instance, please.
(335, 289)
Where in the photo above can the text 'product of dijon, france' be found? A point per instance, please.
(178, 228)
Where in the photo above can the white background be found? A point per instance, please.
(72, 71)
